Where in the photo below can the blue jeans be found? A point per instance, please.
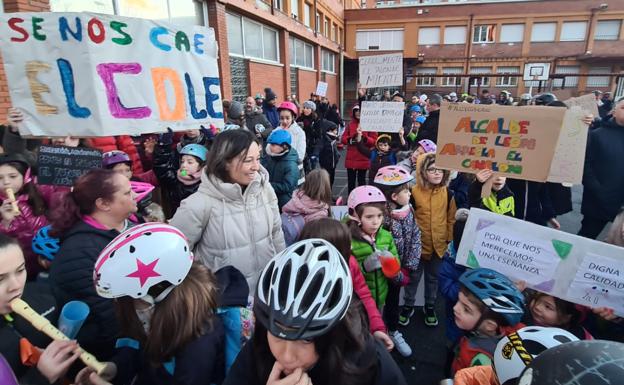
(430, 269)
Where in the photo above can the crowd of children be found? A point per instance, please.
(253, 281)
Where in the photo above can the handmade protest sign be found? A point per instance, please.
(518, 142)
(339, 212)
(567, 266)
(86, 74)
(569, 159)
(381, 70)
(382, 116)
(60, 166)
(586, 102)
(321, 89)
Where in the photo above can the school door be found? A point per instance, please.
(619, 90)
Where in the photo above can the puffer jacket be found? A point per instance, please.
(283, 174)
(227, 226)
(26, 224)
(499, 202)
(354, 158)
(307, 207)
(406, 235)
(167, 173)
(435, 209)
(71, 277)
(376, 280)
(122, 143)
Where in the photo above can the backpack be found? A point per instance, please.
(291, 227)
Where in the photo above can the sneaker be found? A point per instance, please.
(400, 344)
(406, 313)
(431, 319)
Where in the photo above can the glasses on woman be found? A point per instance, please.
(434, 170)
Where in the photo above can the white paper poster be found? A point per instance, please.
(599, 282)
(87, 74)
(381, 70)
(569, 159)
(382, 116)
(321, 89)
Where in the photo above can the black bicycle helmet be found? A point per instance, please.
(577, 363)
(544, 99)
(304, 290)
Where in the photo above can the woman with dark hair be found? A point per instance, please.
(233, 218)
(86, 220)
(306, 331)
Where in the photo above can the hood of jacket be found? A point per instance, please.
(306, 206)
(83, 229)
(225, 191)
(291, 154)
(422, 163)
(233, 288)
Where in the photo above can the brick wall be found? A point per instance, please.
(332, 88)
(216, 20)
(307, 83)
(266, 75)
(16, 6)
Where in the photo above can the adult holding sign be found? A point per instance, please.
(603, 180)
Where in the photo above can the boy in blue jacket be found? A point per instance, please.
(281, 163)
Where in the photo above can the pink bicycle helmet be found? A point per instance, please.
(392, 176)
(290, 106)
(428, 145)
(141, 189)
(361, 195)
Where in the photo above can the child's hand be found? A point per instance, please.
(384, 339)
(484, 175)
(520, 285)
(588, 119)
(359, 133)
(298, 377)
(149, 145)
(57, 358)
(401, 131)
(605, 313)
(87, 376)
(554, 223)
(44, 263)
(15, 117)
(7, 212)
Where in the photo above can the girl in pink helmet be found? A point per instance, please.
(288, 112)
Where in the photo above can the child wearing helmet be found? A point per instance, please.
(287, 115)
(281, 162)
(166, 307)
(179, 183)
(371, 244)
(24, 205)
(394, 182)
(307, 330)
(490, 306)
(513, 353)
(382, 155)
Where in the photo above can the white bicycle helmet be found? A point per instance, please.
(304, 290)
(517, 350)
(141, 257)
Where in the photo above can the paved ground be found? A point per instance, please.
(426, 365)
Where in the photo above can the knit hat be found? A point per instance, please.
(259, 96)
(421, 119)
(236, 110)
(270, 95)
(309, 104)
(415, 108)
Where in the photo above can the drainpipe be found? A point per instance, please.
(468, 50)
(316, 27)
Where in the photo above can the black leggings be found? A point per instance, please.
(391, 307)
(351, 174)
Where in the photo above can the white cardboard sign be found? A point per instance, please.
(321, 89)
(382, 116)
(381, 70)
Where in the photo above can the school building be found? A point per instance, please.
(464, 46)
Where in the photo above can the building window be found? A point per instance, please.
(507, 81)
(451, 81)
(294, 9)
(251, 39)
(317, 25)
(379, 40)
(570, 81)
(81, 6)
(425, 81)
(512, 33)
(334, 28)
(608, 30)
(279, 4)
(543, 32)
(455, 35)
(484, 34)
(482, 81)
(301, 53)
(328, 62)
(306, 14)
(326, 28)
(429, 36)
(339, 35)
(599, 81)
(573, 31)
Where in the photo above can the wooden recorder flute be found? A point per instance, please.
(11, 197)
(42, 324)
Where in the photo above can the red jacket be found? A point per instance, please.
(355, 159)
(363, 292)
(122, 143)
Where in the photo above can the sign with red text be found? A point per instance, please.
(518, 142)
(86, 74)
(577, 269)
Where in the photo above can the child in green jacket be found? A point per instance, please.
(371, 245)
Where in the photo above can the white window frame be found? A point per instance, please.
(324, 54)
(429, 32)
(597, 80)
(481, 28)
(455, 28)
(537, 39)
(279, 5)
(485, 80)
(611, 36)
(326, 27)
(293, 53)
(262, 28)
(452, 81)
(567, 28)
(307, 8)
(317, 24)
(294, 12)
(397, 35)
(570, 81)
(508, 81)
(515, 39)
(426, 81)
